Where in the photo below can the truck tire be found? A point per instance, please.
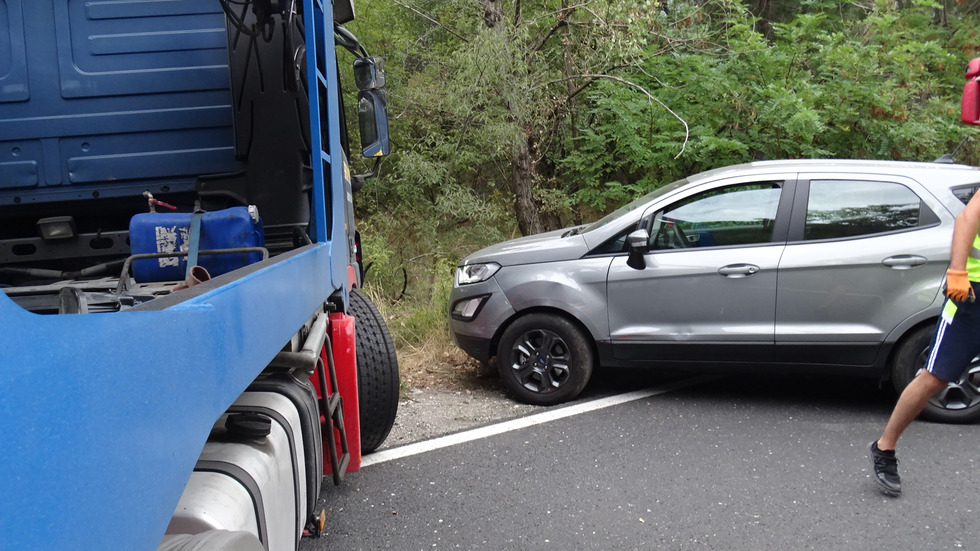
(377, 372)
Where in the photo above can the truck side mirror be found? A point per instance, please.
(639, 243)
(369, 73)
(372, 106)
(372, 115)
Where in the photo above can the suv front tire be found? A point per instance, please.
(544, 359)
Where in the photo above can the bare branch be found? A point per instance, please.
(553, 13)
(428, 17)
(561, 23)
(652, 77)
(593, 77)
(596, 15)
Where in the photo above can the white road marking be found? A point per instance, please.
(524, 422)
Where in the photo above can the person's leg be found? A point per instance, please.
(953, 346)
(881, 452)
(913, 399)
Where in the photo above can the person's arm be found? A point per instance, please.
(964, 232)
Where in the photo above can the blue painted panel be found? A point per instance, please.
(125, 95)
(128, 52)
(126, 9)
(19, 164)
(18, 174)
(141, 165)
(104, 415)
(13, 63)
(150, 113)
(173, 41)
(126, 157)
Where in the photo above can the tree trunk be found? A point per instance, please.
(569, 69)
(524, 171)
(493, 14)
(763, 10)
(522, 180)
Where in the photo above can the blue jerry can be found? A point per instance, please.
(166, 232)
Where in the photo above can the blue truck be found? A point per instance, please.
(184, 346)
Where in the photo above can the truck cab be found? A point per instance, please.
(180, 275)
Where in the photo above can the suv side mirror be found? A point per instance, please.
(639, 243)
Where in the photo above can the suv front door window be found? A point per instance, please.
(734, 215)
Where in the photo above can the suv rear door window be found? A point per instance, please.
(847, 208)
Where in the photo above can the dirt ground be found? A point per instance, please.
(450, 369)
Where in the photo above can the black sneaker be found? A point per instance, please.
(885, 467)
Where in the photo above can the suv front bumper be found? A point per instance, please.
(475, 334)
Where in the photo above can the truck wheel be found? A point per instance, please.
(959, 402)
(544, 359)
(377, 372)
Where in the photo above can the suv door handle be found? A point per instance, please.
(738, 270)
(904, 261)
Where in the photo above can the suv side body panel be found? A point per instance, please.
(576, 287)
(838, 299)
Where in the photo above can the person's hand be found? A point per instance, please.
(958, 286)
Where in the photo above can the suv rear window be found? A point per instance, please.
(965, 193)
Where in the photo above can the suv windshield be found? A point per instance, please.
(633, 204)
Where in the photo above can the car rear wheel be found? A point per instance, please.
(959, 402)
(544, 359)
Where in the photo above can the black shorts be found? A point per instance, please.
(957, 339)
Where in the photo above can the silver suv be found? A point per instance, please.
(779, 266)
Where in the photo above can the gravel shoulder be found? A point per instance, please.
(431, 412)
(446, 394)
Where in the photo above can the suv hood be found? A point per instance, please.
(543, 247)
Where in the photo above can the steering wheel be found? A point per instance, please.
(683, 243)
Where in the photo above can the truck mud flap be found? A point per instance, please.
(250, 475)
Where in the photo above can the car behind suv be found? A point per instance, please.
(826, 266)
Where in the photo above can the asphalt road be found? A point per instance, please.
(727, 464)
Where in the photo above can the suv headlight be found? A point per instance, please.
(475, 273)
